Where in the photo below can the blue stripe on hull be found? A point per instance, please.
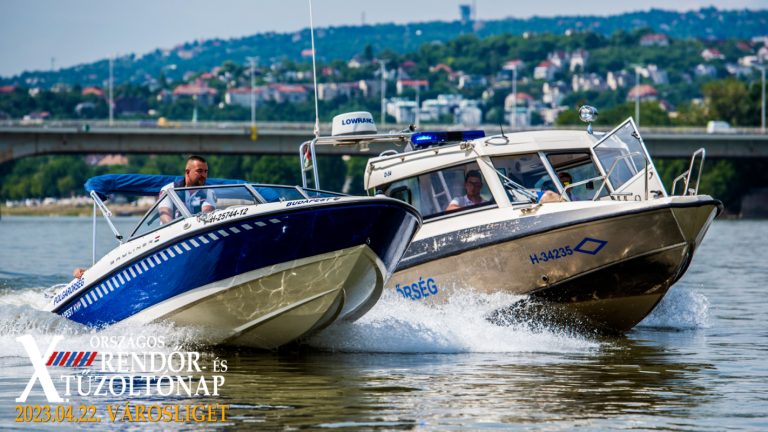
(242, 246)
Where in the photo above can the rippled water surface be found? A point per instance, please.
(698, 362)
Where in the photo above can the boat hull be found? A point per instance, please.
(262, 280)
(606, 269)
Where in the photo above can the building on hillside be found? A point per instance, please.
(748, 60)
(404, 111)
(558, 58)
(738, 70)
(445, 105)
(578, 61)
(545, 71)
(644, 92)
(205, 95)
(403, 84)
(709, 54)
(241, 96)
(549, 115)
(654, 73)
(762, 54)
(553, 93)
(287, 93)
(587, 82)
(469, 113)
(705, 71)
(618, 79)
(444, 68)
(467, 81)
(331, 91)
(95, 91)
(654, 39)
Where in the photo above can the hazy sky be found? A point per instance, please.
(33, 32)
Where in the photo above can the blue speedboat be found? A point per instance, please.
(269, 265)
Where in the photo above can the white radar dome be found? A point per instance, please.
(359, 122)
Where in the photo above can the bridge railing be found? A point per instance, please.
(85, 125)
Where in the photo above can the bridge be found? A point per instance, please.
(77, 137)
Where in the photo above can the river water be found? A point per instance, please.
(698, 362)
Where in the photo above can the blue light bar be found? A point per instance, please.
(426, 139)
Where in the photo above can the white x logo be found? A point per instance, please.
(41, 372)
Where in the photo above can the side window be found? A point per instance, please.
(446, 190)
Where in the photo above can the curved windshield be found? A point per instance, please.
(622, 151)
(193, 201)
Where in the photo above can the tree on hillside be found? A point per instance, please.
(728, 100)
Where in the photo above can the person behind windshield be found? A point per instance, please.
(549, 192)
(566, 179)
(473, 184)
(197, 201)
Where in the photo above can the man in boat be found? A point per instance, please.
(195, 174)
(473, 184)
(197, 201)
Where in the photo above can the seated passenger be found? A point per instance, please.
(197, 201)
(566, 179)
(473, 184)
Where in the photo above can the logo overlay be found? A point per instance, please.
(109, 372)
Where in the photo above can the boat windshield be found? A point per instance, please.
(577, 175)
(524, 177)
(196, 201)
(624, 148)
(443, 191)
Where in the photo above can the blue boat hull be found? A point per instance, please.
(336, 247)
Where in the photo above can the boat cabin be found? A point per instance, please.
(518, 169)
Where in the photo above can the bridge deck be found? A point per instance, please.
(17, 141)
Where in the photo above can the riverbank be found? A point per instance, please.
(70, 210)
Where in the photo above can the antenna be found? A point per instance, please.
(501, 126)
(314, 69)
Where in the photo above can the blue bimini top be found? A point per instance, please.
(140, 184)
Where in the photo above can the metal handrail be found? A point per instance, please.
(687, 174)
(361, 139)
(107, 215)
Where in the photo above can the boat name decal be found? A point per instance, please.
(219, 216)
(418, 290)
(587, 246)
(310, 201)
(76, 285)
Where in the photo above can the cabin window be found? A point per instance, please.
(577, 175)
(523, 173)
(447, 190)
(624, 149)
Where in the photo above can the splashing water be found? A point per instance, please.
(680, 309)
(396, 325)
(23, 312)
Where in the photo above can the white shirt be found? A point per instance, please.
(463, 201)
